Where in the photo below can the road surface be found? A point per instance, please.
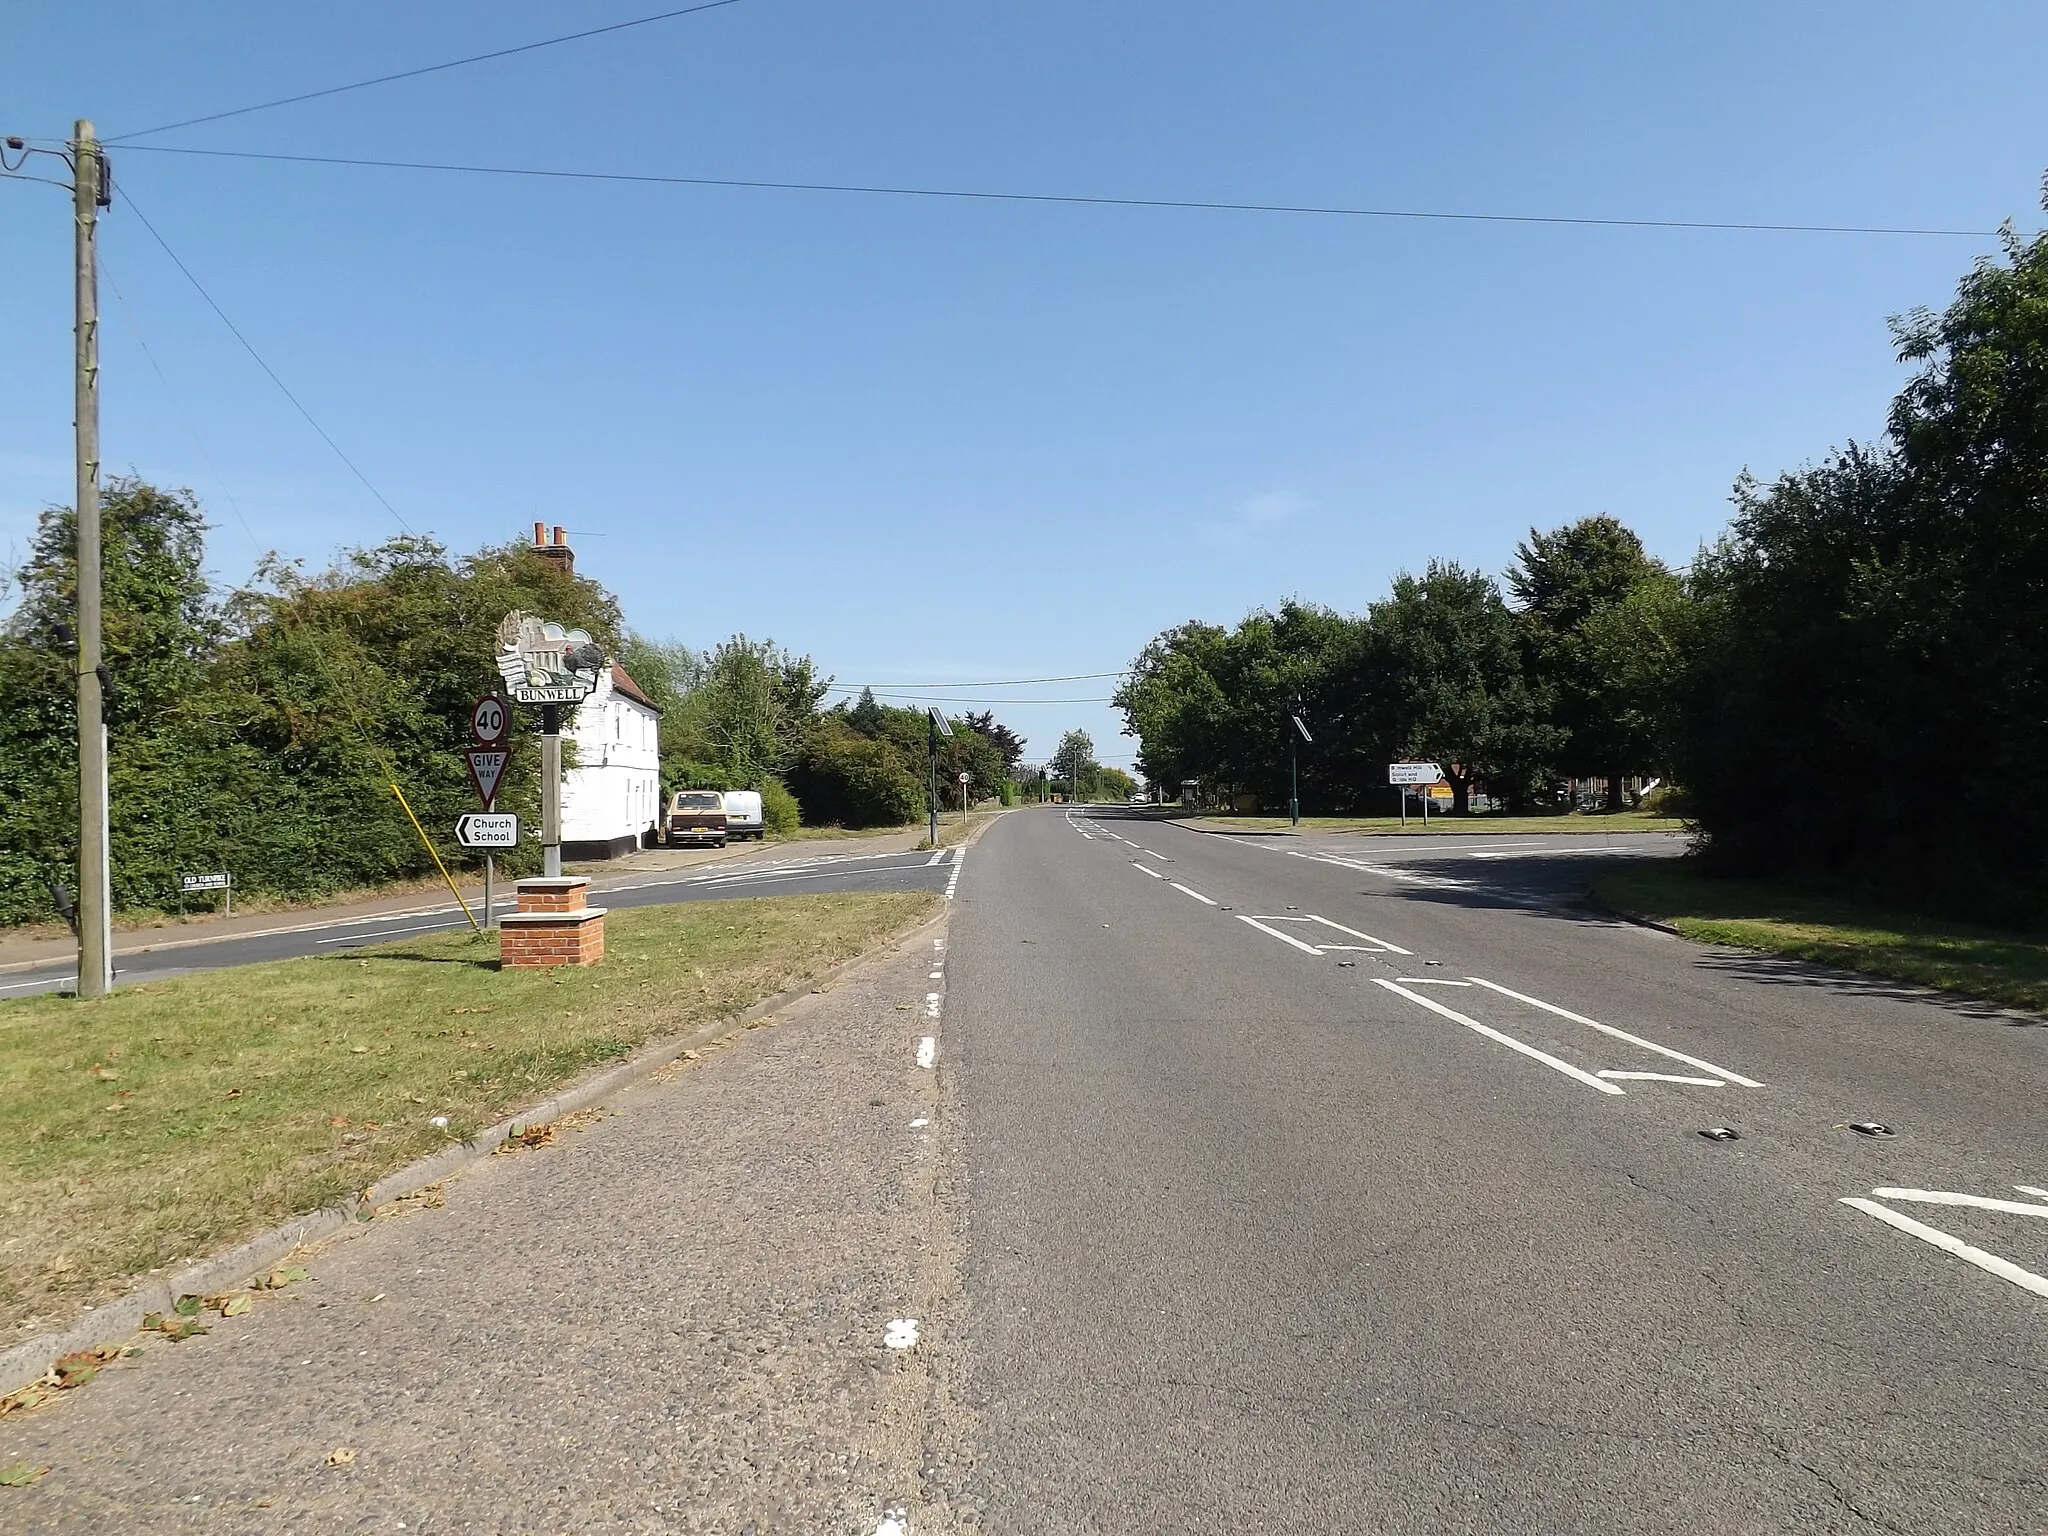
(1323, 1185)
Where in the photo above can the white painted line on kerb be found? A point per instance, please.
(1493, 1034)
(901, 1333)
(1619, 1034)
(1146, 869)
(935, 975)
(1284, 938)
(1660, 1077)
(1949, 1197)
(927, 1052)
(1991, 1263)
(895, 1522)
(953, 880)
(1205, 901)
(931, 1005)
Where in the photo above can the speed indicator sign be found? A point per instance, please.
(489, 720)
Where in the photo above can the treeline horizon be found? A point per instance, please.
(261, 732)
(1847, 685)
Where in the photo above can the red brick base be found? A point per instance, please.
(551, 927)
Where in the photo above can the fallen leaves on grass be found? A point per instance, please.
(525, 1138)
(20, 1474)
(101, 1072)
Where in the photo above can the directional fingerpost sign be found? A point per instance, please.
(487, 829)
(1413, 773)
(489, 721)
(487, 771)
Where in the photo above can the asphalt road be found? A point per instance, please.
(759, 876)
(1330, 1185)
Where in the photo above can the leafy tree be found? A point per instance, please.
(1001, 737)
(1442, 671)
(1585, 608)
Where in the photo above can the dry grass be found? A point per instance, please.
(1836, 930)
(178, 1117)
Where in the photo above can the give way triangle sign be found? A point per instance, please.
(486, 770)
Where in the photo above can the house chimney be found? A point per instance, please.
(558, 550)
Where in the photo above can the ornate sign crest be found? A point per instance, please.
(543, 663)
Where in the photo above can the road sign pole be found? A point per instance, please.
(551, 790)
(95, 883)
(490, 868)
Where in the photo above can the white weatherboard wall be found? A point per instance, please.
(613, 794)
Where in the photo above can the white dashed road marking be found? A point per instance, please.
(1205, 901)
(901, 1333)
(927, 1052)
(1146, 870)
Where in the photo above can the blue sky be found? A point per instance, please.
(945, 440)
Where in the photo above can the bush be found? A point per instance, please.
(1666, 800)
(843, 778)
(1007, 791)
(780, 813)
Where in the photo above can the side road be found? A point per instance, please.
(699, 1313)
(20, 952)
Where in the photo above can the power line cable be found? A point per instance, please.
(999, 682)
(940, 698)
(1313, 210)
(426, 69)
(129, 198)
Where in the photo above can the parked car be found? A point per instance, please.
(743, 813)
(697, 816)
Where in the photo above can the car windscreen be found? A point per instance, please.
(697, 802)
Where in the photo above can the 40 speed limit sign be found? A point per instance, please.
(490, 722)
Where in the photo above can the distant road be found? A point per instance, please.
(762, 875)
(1339, 1184)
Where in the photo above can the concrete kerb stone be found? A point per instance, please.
(119, 1320)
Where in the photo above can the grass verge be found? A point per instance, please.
(1575, 821)
(1985, 963)
(178, 1117)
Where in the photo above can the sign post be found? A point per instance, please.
(224, 883)
(1294, 767)
(1404, 775)
(963, 803)
(490, 724)
(939, 728)
(543, 663)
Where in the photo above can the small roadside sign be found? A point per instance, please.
(487, 829)
(190, 883)
(1413, 773)
(1304, 730)
(489, 720)
(487, 771)
(963, 778)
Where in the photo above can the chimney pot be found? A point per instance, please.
(562, 537)
(540, 533)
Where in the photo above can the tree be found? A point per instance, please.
(1442, 671)
(1001, 737)
(1878, 616)
(1585, 602)
(1075, 757)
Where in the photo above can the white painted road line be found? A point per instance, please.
(1991, 1263)
(1205, 901)
(1660, 1077)
(2028, 1189)
(1276, 933)
(1949, 1197)
(1619, 1034)
(931, 1005)
(927, 1052)
(937, 854)
(901, 1333)
(1146, 869)
(1151, 855)
(1430, 981)
(382, 933)
(1493, 1034)
(62, 981)
(959, 863)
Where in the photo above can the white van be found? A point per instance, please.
(743, 813)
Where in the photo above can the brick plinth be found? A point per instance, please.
(553, 926)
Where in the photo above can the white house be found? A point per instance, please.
(613, 794)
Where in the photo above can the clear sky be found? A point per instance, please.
(942, 440)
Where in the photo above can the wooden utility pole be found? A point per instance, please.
(95, 896)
